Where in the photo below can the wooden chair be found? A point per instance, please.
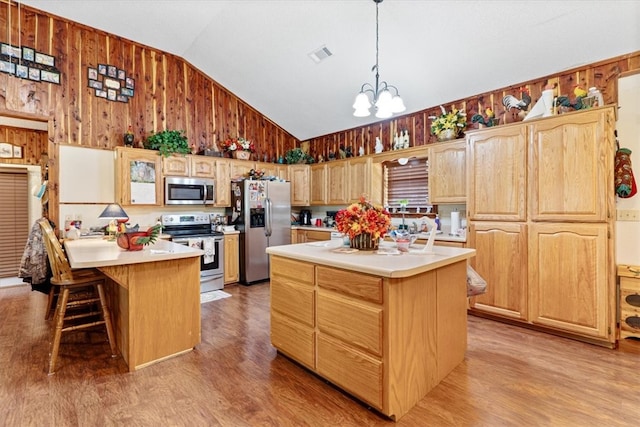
(81, 301)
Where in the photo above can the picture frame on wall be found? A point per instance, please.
(112, 71)
(95, 84)
(126, 91)
(44, 59)
(17, 152)
(102, 69)
(111, 83)
(101, 93)
(129, 83)
(7, 49)
(92, 73)
(111, 94)
(7, 67)
(22, 71)
(28, 54)
(121, 74)
(123, 98)
(6, 150)
(50, 77)
(34, 74)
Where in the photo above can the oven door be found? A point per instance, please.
(211, 263)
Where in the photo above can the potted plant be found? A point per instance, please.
(168, 142)
(239, 148)
(296, 155)
(364, 223)
(448, 126)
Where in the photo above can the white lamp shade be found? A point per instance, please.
(362, 102)
(362, 112)
(384, 100)
(383, 113)
(397, 105)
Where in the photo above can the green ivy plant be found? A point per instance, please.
(168, 142)
(296, 155)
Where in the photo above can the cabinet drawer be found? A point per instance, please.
(292, 299)
(293, 339)
(630, 321)
(351, 370)
(630, 284)
(302, 272)
(355, 323)
(355, 284)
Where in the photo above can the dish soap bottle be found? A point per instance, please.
(438, 222)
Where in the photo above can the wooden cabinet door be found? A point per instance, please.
(299, 176)
(282, 172)
(241, 168)
(337, 182)
(175, 165)
(223, 182)
(571, 167)
(231, 258)
(359, 178)
(318, 193)
(447, 172)
(138, 176)
(501, 259)
(203, 166)
(269, 169)
(496, 174)
(569, 284)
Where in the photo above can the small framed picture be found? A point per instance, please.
(129, 83)
(50, 77)
(41, 58)
(17, 151)
(123, 98)
(102, 69)
(22, 71)
(112, 71)
(34, 74)
(111, 94)
(126, 91)
(6, 150)
(101, 93)
(7, 49)
(111, 83)
(28, 54)
(95, 84)
(92, 73)
(7, 67)
(121, 74)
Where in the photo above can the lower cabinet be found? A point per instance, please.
(231, 258)
(305, 236)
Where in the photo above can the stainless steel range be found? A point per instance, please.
(196, 230)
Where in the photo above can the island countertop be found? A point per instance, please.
(371, 262)
(90, 253)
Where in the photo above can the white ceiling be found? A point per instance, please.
(433, 51)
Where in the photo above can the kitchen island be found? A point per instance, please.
(385, 328)
(154, 296)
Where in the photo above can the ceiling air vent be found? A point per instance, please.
(320, 54)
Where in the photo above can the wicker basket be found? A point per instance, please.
(364, 242)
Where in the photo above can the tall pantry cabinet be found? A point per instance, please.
(541, 209)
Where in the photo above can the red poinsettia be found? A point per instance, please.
(363, 217)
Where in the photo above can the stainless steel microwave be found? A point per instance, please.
(189, 191)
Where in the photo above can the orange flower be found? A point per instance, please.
(363, 217)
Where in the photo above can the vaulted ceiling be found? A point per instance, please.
(433, 51)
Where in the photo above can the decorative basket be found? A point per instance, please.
(447, 135)
(242, 155)
(364, 242)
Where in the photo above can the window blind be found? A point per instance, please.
(14, 219)
(408, 182)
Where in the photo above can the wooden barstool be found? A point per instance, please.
(81, 298)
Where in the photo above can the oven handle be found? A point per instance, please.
(267, 229)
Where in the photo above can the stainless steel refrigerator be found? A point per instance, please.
(261, 210)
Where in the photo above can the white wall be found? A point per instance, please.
(628, 126)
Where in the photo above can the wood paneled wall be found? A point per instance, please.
(33, 143)
(603, 75)
(169, 92)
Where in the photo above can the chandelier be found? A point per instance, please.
(386, 104)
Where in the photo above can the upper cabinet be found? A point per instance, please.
(318, 185)
(299, 176)
(447, 172)
(570, 157)
(223, 182)
(365, 179)
(337, 182)
(496, 174)
(203, 166)
(138, 177)
(175, 165)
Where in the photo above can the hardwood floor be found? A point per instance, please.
(510, 376)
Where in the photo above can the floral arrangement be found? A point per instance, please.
(363, 217)
(455, 120)
(240, 144)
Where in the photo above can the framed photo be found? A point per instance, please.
(34, 74)
(28, 54)
(126, 91)
(111, 94)
(50, 77)
(92, 73)
(95, 84)
(121, 74)
(22, 71)
(123, 98)
(17, 152)
(112, 71)
(102, 69)
(7, 67)
(101, 93)
(7, 49)
(6, 150)
(41, 58)
(129, 83)
(111, 83)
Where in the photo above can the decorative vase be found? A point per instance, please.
(241, 155)
(364, 242)
(447, 135)
(128, 241)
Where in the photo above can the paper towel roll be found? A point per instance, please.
(455, 221)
